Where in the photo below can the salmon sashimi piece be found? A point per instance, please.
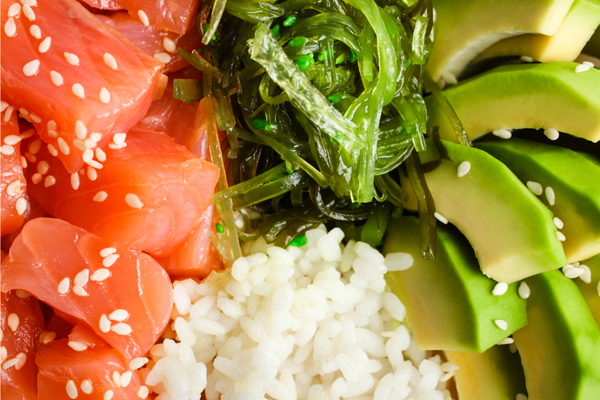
(172, 15)
(13, 184)
(149, 195)
(56, 328)
(22, 322)
(158, 43)
(103, 4)
(85, 367)
(123, 295)
(78, 79)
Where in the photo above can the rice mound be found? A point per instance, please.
(311, 322)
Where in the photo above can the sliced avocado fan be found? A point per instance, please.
(450, 304)
(538, 96)
(565, 45)
(510, 229)
(466, 27)
(591, 289)
(566, 182)
(560, 346)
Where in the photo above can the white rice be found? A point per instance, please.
(309, 323)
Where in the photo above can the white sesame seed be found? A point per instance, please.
(64, 285)
(63, 146)
(7, 150)
(29, 2)
(78, 90)
(587, 274)
(110, 61)
(36, 178)
(31, 68)
(35, 31)
(79, 291)
(27, 134)
(500, 289)
(94, 163)
(28, 12)
(107, 251)
(110, 260)
(121, 329)
(48, 337)
(52, 150)
(104, 95)
(24, 114)
(126, 378)
(82, 277)
(119, 315)
(550, 196)
(21, 360)
(162, 57)
(143, 392)
(526, 59)
(169, 45)
(71, 58)
(560, 236)
(138, 363)
(21, 206)
(75, 181)
(45, 45)
(43, 167)
(143, 18)
(506, 341)
(3, 352)
(100, 154)
(447, 376)
(3, 106)
(13, 322)
(448, 367)
(500, 323)
(79, 144)
(551, 133)
(8, 113)
(96, 136)
(104, 324)
(108, 395)
(56, 78)
(12, 139)
(77, 346)
(89, 143)
(71, 389)
(449, 78)
(23, 162)
(92, 174)
(535, 188)
(116, 378)
(10, 28)
(117, 146)
(80, 130)
(86, 386)
(35, 118)
(572, 272)
(14, 188)
(463, 169)
(589, 63)
(35, 146)
(558, 223)
(582, 68)
(51, 125)
(14, 10)
(50, 181)
(100, 275)
(10, 363)
(119, 138)
(502, 133)
(100, 196)
(440, 218)
(521, 396)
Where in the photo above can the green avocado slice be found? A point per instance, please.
(496, 374)
(574, 180)
(538, 96)
(510, 229)
(560, 346)
(449, 302)
(591, 291)
(464, 28)
(565, 45)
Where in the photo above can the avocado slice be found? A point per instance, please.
(565, 45)
(495, 374)
(510, 229)
(463, 28)
(449, 302)
(539, 96)
(574, 180)
(591, 291)
(560, 346)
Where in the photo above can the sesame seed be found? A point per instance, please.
(14, 10)
(100, 196)
(100, 275)
(162, 57)
(143, 18)
(29, 2)
(82, 277)
(51, 125)
(96, 136)
(48, 337)
(107, 251)
(75, 181)
(500, 323)
(56, 78)
(521, 396)
(35, 31)
(502, 133)
(3, 106)
(89, 143)
(463, 169)
(24, 113)
(43, 167)
(447, 376)
(52, 150)
(28, 12)
(589, 63)
(35, 118)
(10, 28)
(23, 162)
(117, 146)
(572, 272)
(63, 146)
(121, 329)
(126, 378)
(560, 236)
(77, 346)
(104, 324)
(110, 61)
(500, 289)
(448, 367)
(36, 178)
(578, 69)
(35, 146)
(535, 188)
(551, 133)
(506, 341)
(31, 68)
(587, 274)
(138, 363)
(526, 59)
(116, 378)
(558, 223)
(78, 90)
(86, 386)
(10, 363)
(21, 360)
(27, 134)
(119, 315)
(8, 114)
(14, 188)
(143, 392)
(22, 294)
(92, 174)
(71, 389)
(110, 260)
(94, 163)
(13, 322)
(550, 196)
(79, 144)
(169, 45)
(12, 139)
(3, 352)
(440, 218)
(45, 45)
(449, 78)
(71, 58)
(7, 150)
(119, 138)
(50, 181)
(79, 291)
(64, 285)
(104, 95)
(80, 130)
(21, 206)
(108, 395)
(100, 154)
